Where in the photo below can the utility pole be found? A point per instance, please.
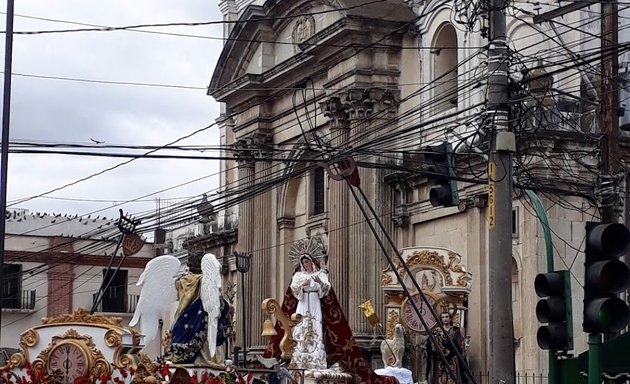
(4, 146)
(609, 118)
(501, 364)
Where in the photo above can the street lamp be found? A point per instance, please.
(242, 265)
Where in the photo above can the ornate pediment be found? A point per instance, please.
(273, 44)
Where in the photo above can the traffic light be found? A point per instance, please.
(555, 309)
(440, 159)
(604, 277)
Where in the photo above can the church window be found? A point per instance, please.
(444, 60)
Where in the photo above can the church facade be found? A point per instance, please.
(374, 84)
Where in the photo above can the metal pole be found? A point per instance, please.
(610, 103)
(244, 320)
(542, 217)
(501, 341)
(594, 358)
(4, 147)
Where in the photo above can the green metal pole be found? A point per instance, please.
(594, 358)
(542, 216)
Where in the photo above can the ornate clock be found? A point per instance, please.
(69, 360)
(411, 318)
(69, 356)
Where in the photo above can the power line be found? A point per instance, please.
(193, 24)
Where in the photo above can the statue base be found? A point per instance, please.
(322, 376)
(402, 374)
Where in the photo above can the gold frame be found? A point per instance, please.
(97, 365)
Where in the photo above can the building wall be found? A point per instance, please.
(63, 276)
(355, 260)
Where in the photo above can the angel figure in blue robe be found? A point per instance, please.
(201, 320)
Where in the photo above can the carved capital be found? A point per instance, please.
(358, 103)
(255, 146)
(336, 112)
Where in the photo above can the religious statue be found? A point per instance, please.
(309, 284)
(202, 316)
(392, 350)
(437, 371)
(326, 339)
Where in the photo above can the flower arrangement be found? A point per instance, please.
(155, 374)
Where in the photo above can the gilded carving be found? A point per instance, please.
(387, 279)
(428, 258)
(124, 361)
(17, 360)
(29, 338)
(37, 366)
(113, 338)
(395, 298)
(101, 368)
(393, 318)
(463, 280)
(83, 316)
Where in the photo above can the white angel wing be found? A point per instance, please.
(156, 298)
(210, 293)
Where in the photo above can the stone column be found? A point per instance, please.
(368, 109)
(262, 266)
(360, 243)
(245, 236)
(338, 206)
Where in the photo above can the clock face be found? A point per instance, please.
(411, 318)
(69, 360)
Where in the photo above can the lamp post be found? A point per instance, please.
(242, 265)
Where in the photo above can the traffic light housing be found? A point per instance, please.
(554, 310)
(604, 277)
(440, 159)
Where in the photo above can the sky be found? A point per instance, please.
(62, 111)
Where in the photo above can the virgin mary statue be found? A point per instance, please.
(323, 337)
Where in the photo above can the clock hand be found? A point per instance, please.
(67, 361)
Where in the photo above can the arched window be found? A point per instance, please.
(444, 53)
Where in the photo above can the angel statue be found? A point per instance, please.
(202, 316)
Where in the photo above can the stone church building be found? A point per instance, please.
(303, 82)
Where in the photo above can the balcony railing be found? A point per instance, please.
(22, 300)
(115, 302)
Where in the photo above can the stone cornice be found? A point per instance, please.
(212, 240)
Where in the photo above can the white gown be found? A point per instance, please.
(309, 351)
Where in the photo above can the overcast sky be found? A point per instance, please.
(59, 111)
